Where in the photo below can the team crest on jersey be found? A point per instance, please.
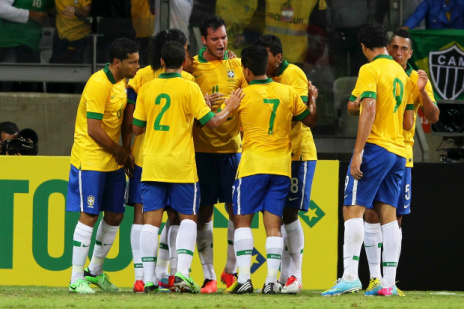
(447, 71)
(90, 201)
(230, 73)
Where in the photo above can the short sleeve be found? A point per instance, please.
(300, 84)
(140, 115)
(197, 106)
(429, 90)
(96, 98)
(366, 85)
(300, 110)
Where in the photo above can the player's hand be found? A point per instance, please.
(422, 80)
(129, 166)
(231, 54)
(235, 98)
(38, 17)
(355, 169)
(69, 11)
(215, 99)
(313, 93)
(121, 155)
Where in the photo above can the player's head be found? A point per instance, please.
(8, 131)
(173, 55)
(158, 41)
(254, 60)
(274, 48)
(399, 47)
(214, 36)
(373, 35)
(124, 56)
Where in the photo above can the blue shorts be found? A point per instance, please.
(382, 173)
(91, 191)
(216, 172)
(299, 196)
(182, 197)
(260, 192)
(135, 188)
(404, 201)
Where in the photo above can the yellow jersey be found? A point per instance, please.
(142, 18)
(144, 76)
(71, 28)
(385, 81)
(222, 76)
(266, 114)
(409, 135)
(303, 146)
(102, 99)
(166, 106)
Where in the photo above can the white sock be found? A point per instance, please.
(285, 261)
(162, 260)
(185, 243)
(81, 243)
(148, 251)
(172, 238)
(274, 248)
(243, 245)
(205, 250)
(295, 243)
(136, 229)
(231, 263)
(373, 248)
(103, 242)
(401, 242)
(391, 246)
(353, 240)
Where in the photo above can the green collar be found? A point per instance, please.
(203, 60)
(261, 81)
(409, 69)
(108, 73)
(282, 68)
(383, 56)
(169, 75)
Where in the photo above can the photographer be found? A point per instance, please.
(15, 142)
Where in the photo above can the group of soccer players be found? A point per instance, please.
(237, 132)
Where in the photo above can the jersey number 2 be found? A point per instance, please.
(167, 98)
(275, 103)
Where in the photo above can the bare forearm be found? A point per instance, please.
(431, 111)
(219, 118)
(102, 139)
(313, 110)
(366, 119)
(126, 128)
(353, 109)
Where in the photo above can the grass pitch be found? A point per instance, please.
(45, 297)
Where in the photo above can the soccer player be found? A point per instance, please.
(374, 174)
(96, 180)
(399, 48)
(135, 188)
(166, 108)
(217, 152)
(304, 158)
(263, 176)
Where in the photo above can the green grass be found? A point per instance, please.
(21, 296)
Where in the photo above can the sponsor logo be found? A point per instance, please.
(406, 206)
(292, 198)
(196, 76)
(447, 71)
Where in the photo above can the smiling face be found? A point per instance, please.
(215, 43)
(400, 49)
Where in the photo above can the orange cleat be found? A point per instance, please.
(209, 286)
(228, 279)
(138, 286)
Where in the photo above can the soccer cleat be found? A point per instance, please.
(167, 282)
(150, 287)
(102, 281)
(373, 287)
(228, 279)
(240, 288)
(209, 286)
(185, 284)
(342, 287)
(400, 293)
(269, 288)
(293, 286)
(279, 286)
(81, 286)
(390, 291)
(138, 286)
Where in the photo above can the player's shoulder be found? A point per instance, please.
(187, 76)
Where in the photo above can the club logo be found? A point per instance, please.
(230, 73)
(90, 201)
(447, 71)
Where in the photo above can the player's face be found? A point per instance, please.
(273, 63)
(400, 49)
(129, 67)
(216, 42)
(188, 60)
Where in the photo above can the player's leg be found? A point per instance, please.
(373, 247)
(162, 260)
(285, 263)
(174, 220)
(113, 205)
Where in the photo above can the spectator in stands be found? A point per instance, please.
(143, 20)
(8, 131)
(438, 14)
(72, 27)
(179, 15)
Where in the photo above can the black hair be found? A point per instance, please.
(270, 41)
(173, 54)
(373, 35)
(213, 22)
(157, 42)
(254, 58)
(121, 48)
(9, 127)
(403, 33)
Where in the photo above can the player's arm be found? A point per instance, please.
(366, 119)
(431, 111)
(139, 117)
(126, 128)
(82, 14)
(231, 105)
(353, 106)
(312, 96)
